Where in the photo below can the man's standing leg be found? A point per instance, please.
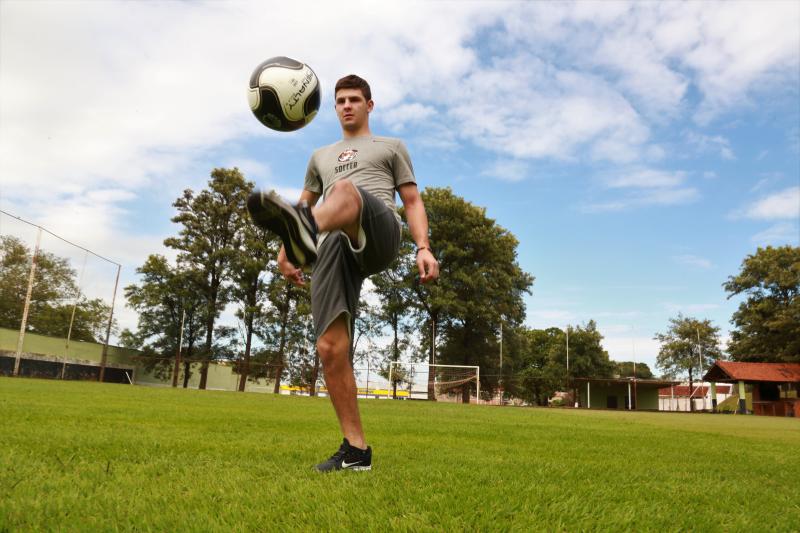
(334, 352)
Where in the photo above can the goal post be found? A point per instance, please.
(415, 379)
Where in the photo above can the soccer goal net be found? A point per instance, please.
(421, 381)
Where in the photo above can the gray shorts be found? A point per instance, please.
(340, 269)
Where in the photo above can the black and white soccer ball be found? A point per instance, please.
(284, 94)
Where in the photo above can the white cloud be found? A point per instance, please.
(711, 143)
(548, 318)
(555, 113)
(778, 234)
(512, 170)
(630, 346)
(690, 309)
(644, 187)
(780, 205)
(693, 261)
(647, 179)
(400, 116)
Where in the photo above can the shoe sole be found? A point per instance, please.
(354, 468)
(271, 212)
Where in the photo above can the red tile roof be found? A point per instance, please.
(682, 391)
(775, 372)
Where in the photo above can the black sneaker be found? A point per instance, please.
(293, 224)
(347, 458)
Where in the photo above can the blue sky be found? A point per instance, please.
(639, 151)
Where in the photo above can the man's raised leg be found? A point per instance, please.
(340, 210)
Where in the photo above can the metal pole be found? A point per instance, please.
(433, 341)
(72, 318)
(501, 363)
(478, 393)
(108, 328)
(630, 401)
(177, 369)
(25, 309)
(588, 395)
(700, 363)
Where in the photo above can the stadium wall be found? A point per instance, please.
(42, 356)
(79, 352)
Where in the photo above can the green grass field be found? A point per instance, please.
(88, 456)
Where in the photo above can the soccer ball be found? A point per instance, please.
(284, 94)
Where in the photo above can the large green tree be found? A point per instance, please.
(538, 371)
(165, 297)
(689, 346)
(394, 289)
(627, 369)
(207, 241)
(768, 321)
(480, 287)
(249, 275)
(285, 326)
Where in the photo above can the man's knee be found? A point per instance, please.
(333, 346)
(346, 187)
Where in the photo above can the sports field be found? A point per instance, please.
(88, 456)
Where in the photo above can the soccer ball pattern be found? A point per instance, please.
(284, 94)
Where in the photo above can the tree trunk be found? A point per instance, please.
(315, 374)
(246, 367)
(691, 391)
(281, 348)
(465, 393)
(432, 360)
(186, 368)
(210, 318)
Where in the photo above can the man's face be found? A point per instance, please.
(352, 109)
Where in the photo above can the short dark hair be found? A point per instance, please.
(351, 81)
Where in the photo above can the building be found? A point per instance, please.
(620, 393)
(762, 388)
(678, 397)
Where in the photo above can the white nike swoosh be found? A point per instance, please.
(348, 465)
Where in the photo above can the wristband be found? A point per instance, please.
(423, 248)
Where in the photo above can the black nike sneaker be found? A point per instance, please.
(347, 458)
(295, 225)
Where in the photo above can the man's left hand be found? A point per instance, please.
(428, 266)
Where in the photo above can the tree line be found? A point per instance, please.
(225, 262)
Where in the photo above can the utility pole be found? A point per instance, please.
(700, 365)
(177, 368)
(501, 362)
(26, 308)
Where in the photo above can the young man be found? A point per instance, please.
(352, 234)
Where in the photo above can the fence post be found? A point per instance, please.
(25, 310)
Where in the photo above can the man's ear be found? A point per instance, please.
(370, 106)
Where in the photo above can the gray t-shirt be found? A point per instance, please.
(379, 165)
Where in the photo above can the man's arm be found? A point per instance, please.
(289, 271)
(418, 224)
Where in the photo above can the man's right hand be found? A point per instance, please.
(289, 271)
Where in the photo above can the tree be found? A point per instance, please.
(539, 374)
(210, 223)
(481, 283)
(625, 369)
(285, 325)
(162, 297)
(256, 249)
(56, 300)
(768, 321)
(394, 288)
(689, 345)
